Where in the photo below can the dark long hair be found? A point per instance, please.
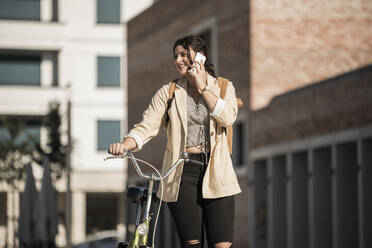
(198, 45)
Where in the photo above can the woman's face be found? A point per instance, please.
(181, 60)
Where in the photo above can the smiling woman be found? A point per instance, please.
(196, 195)
(183, 55)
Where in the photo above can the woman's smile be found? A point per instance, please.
(181, 59)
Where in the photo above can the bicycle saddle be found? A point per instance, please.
(138, 194)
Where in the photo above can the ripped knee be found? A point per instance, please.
(192, 244)
(223, 245)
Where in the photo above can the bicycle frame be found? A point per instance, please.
(139, 238)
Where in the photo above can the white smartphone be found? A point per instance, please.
(200, 58)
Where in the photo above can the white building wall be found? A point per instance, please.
(78, 40)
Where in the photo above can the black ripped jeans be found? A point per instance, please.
(191, 212)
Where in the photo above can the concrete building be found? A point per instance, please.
(70, 50)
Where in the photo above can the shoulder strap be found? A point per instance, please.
(171, 90)
(222, 83)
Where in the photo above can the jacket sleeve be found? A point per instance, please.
(152, 119)
(226, 110)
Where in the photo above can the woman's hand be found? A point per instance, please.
(117, 149)
(199, 74)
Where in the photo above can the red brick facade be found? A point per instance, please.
(296, 43)
(330, 106)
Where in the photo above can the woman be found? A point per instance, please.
(196, 195)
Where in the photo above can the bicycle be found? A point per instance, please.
(143, 196)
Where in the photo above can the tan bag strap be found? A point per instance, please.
(230, 135)
(222, 83)
(171, 90)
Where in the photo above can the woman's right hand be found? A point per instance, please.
(117, 149)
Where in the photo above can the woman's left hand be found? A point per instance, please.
(199, 74)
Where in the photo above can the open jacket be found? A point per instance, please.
(219, 179)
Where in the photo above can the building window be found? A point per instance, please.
(20, 9)
(238, 145)
(102, 212)
(108, 70)
(36, 68)
(108, 133)
(207, 30)
(206, 35)
(20, 70)
(260, 203)
(29, 130)
(3, 209)
(30, 10)
(3, 218)
(108, 11)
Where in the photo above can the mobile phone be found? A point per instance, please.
(200, 58)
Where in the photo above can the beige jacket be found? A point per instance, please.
(219, 179)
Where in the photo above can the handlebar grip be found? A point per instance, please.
(186, 156)
(194, 161)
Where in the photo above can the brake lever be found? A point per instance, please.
(122, 156)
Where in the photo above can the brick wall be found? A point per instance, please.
(296, 43)
(337, 104)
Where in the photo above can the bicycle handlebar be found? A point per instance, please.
(184, 156)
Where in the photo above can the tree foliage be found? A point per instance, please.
(15, 152)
